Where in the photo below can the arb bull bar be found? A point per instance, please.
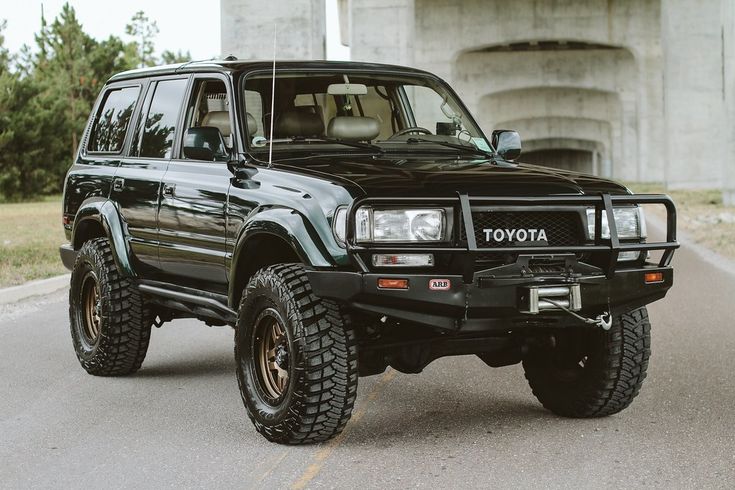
(499, 298)
(463, 205)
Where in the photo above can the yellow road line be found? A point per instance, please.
(272, 467)
(323, 454)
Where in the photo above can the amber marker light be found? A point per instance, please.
(653, 277)
(384, 283)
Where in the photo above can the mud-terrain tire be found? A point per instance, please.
(593, 372)
(296, 358)
(110, 324)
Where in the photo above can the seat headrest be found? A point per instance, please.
(353, 128)
(298, 123)
(219, 120)
(252, 125)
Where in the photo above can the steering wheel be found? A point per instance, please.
(412, 129)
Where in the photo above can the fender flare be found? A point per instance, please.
(288, 225)
(105, 213)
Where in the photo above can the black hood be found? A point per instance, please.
(399, 176)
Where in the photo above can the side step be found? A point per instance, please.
(201, 304)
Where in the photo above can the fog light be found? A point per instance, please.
(628, 256)
(653, 277)
(385, 283)
(403, 260)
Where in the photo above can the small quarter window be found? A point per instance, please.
(112, 120)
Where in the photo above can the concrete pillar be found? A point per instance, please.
(696, 121)
(247, 29)
(382, 31)
(728, 37)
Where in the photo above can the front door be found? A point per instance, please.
(191, 219)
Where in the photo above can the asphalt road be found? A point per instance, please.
(180, 423)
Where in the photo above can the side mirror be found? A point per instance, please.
(507, 144)
(205, 143)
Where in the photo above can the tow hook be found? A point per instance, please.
(603, 323)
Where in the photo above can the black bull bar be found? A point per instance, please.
(462, 204)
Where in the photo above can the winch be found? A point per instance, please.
(566, 298)
(542, 298)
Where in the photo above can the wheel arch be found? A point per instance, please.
(99, 218)
(275, 236)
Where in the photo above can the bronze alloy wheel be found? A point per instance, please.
(272, 353)
(296, 358)
(91, 306)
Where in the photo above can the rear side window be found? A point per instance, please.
(112, 121)
(160, 124)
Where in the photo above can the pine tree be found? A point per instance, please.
(144, 31)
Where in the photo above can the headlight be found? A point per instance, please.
(393, 225)
(630, 223)
(400, 225)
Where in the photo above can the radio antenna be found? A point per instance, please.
(273, 98)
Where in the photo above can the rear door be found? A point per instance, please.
(194, 194)
(137, 184)
(104, 145)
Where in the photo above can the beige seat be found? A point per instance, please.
(221, 121)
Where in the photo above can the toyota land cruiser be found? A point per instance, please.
(343, 218)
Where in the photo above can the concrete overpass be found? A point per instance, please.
(631, 89)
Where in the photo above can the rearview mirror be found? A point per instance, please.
(204, 143)
(347, 89)
(507, 144)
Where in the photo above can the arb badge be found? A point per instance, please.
(440, 284)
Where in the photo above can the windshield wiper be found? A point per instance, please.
(467, 149)
(354, 144)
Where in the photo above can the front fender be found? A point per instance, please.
(288, 226)
(105, 213)
(291, 227)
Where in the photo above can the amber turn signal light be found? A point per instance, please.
(384, 283)
(653, 277)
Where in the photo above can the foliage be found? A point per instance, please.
(46, 95)
(169, 57)
(143, 30)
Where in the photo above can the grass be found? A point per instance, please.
(30, 235)
(701, 215)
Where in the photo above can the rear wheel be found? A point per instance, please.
(110, 325)
(296, 358)
(592, 372)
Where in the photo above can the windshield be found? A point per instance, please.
(372, 111)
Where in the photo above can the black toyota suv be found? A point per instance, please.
(343, 218)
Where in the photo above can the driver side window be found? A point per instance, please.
(209, 110)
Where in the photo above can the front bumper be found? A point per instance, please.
(487, 302)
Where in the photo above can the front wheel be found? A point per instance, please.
(592, 372)
(296, 358)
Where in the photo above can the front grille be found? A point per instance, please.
(562, 228)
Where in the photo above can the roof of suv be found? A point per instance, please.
(240, 65)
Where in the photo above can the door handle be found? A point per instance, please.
(168, 190)
(118, 184)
